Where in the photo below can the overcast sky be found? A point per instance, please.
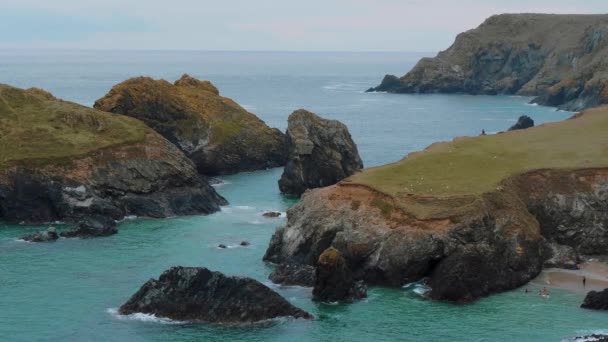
(318, 25)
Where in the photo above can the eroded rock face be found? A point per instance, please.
(321, 153)
(596, 300)
(198, 294)
(334, 280)
(293, 274)
(555, 57)
(217, 134)
(119, 167)
(480, 246)
(523, 122)
(42, 236)
(93, 226)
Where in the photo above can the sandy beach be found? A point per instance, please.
(595, 272)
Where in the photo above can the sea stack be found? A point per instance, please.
(321, 153)
(558, 58)
(198, 294)
(523, 122)
(596, 300)
(217, 134)
(117, 167)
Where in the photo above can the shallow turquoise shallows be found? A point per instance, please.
(68, 290)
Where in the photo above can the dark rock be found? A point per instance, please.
(334, 280)
(293, 274)
(94, 226)
(321, 153)
(271, 214)
(596, 300)
(245, 243)
(523, 122)
(592, 338)
(221, 246)
(42, 236)
(198, 294)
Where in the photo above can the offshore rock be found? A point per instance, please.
(93, 226)
(596, 300)
(217, 134)
(293, 274)
(334, 280)
(198, 294)
(523, 122)
(42, 236)
(321, 153)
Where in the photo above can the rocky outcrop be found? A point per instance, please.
(321, 153)
(271, 214)
(93, 226)
(334, 280)
(197, 294)
(42, 236)
(293, 274)
(471, 216)
(558, 58)
(523, 122)
(217, 134)
(596, 300)
(63, 161)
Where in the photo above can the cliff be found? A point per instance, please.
(473, 216)
(558, 58)
(217, 134)
(63, 161)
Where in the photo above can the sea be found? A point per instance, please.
(69, 290)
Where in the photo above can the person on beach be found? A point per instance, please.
(584, 281)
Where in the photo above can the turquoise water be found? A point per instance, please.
(67, 290)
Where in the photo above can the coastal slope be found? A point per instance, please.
(557, 58)
(63, 161)
(474, 216)
(217, 134)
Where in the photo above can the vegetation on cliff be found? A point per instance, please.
(559, 58)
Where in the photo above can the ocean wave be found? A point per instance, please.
(219, 182)
(243, 207)
(142, 317)
(531, 104)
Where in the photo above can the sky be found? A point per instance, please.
(260, 25)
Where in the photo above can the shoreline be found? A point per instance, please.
(596, 273)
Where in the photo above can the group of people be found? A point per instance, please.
(542, 292)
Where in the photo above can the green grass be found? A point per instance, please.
(473, 166)
(34, 126)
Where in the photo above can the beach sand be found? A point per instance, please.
(572, 280)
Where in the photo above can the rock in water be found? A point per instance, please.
(321, 153)
(558, 58)
(271, 214)
(293, 274)
(596, 300)
(334, 280)
(217, 134)
(85, 162)
(42, 236)
(523, 122)
(198, 294)
(94, 226)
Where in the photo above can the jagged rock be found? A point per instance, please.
(222, 246)
(523, 122)
(95, 226)
(293, 274)
(271, 214)
(592, 338)
(198, 294)
(42, 236)
(118, 166)
(245, 243)
(217, 134)
(596, 300)
(321, 153)
(555, 57)
(334, 280)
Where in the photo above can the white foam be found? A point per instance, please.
(220, 182)
(243, 207)
(531, 104)
(255, 222)
(142, 317)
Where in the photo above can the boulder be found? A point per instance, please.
(293, 274)
(198, 294)
(523, 122)
(334, 280)
(42, 236)
(245, 243)
(93, 226)
(596, 300)
(85, 162)
(217, 134)
(271, 214)
(321, 153)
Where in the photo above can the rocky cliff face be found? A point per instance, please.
(217, 134)
(321, 153)
(63, 161)
(559, 58)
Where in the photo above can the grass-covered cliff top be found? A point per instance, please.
(36, 126)
(475, 165)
